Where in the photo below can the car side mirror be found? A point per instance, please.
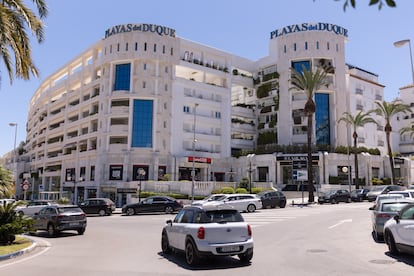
(397, 218)
(169, 222)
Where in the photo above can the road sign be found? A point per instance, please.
(300, 175)
(25, 185)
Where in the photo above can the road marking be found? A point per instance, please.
(340, 223)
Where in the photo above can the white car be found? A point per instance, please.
(212, 197)
(33, 207)
(399, 231)
(214, 231)
(241, 202)
(404, 193)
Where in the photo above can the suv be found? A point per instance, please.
(272, 199)
(241, 202)
(398, 232)
(213, 231)
(98, 206)
(378, 190)
(57, 218)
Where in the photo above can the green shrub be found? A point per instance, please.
(227, 190)
(63, 200)
(12, 224)
(244, 182)
(241, 191)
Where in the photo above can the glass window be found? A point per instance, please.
(122, 76)
(408, 213)
(142, 124)
(322, 122)
(115, 172)
(298, 65)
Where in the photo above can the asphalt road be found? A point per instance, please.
(316, 240)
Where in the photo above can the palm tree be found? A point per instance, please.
(6, 183)
(15, 20)
(359, 120)
(309, 82)
(387, 111)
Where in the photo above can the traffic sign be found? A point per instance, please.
(300, 175)
(25, 185)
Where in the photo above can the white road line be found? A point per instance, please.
(340, 223)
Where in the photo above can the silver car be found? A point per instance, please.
(241, 202)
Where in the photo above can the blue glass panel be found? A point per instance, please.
(297, 65)
(122, 76)
(322, 122)
(142, 124)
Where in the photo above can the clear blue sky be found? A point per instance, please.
(239, 27)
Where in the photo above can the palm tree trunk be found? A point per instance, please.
(390, 157)
(355, 136)
(310, 174)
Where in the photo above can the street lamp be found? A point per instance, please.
(74, 194)
(141, 174)
(402, 43)
(250, 156)
(194, 141)
(14, 152)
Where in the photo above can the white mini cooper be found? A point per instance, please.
(200, 231)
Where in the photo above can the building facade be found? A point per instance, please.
(143, 104)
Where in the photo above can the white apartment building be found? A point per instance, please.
(144, 104)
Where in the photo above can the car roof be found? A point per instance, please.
(211, 207)
(396, 200)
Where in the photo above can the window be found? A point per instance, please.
(145, 46)
(115, 172)
(317, 45)
(117, 47)
(136, 46)
(284, 49)
(172, 51)
(166, 69)
(92, 175)
(135, 172)
(218, 114)
(163, 49)
(126, 47)
(306, 45)
(144, 84)
(186, 109)
(294, 46)
(155, 48)
(298, 65)
(322, 122)
(122, 76)
(142, 123)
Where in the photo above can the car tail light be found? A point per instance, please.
(249, 230)
(383, 216)
(201, 233)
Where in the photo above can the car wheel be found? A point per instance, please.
(251, 208)
(391, 244)
(191, 254)
(81, 231)
(272, 206)
(349, 200)
(130, 212)
(333, 201)
(20, 213)
(102, 212)
(377, 236)
(282, 204)
(51, 231)
(165, 245)
(169, 209)
(247, 256)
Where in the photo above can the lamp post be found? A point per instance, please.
(402, 43)
(14, 153)
(74, 193)
(141, 174)
(194, 141)
(250, 156)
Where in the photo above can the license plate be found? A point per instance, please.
(230, 248)
(74, 224)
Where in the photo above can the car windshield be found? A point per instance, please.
(214, 197)
(69, 209)
(377, 189)
(221, 216)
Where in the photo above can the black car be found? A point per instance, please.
(58, 218)
(272, 199)
(359, 194)
(98, 206)
(334, 196)
(153, 204)
(379, 190)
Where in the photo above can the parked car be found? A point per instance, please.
(385, 196)
(385, 210)
(98, 206)
(153, 204)
(334, 196)
(272, 199)
(241, 202)
(399, 231)
(4, 201)
(378, 190)
(359, 194)
(404, 193)
(33, 207)
(208, 231)
(57, 218)
(212, 197)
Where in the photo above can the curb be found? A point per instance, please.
(20, 252)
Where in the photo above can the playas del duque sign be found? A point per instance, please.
(152, 28)
(305, 27)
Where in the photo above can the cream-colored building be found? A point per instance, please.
(145, 104)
